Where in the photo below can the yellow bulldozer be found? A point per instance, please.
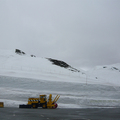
(41, 102)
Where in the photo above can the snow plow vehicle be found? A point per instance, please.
(41, 102)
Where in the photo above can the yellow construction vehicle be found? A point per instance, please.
(1, 104)
(41, 102)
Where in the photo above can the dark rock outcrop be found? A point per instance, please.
(19, 52)
(33, 56)
(62, 64)
(59, 63)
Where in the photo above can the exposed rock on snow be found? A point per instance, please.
(62, 64)
(33, 56)
(19, 52)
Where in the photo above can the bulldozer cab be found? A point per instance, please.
(43, 98)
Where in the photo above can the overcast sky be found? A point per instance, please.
(83, 33)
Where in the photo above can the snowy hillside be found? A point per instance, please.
(18, 58)
(23, 76)
(23, 65)
(107, 74)
(20, 64)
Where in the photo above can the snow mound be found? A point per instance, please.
(107, 74)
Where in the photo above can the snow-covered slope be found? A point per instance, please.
(23, 76)
(10, 58)
(23, 65)
(107, 74)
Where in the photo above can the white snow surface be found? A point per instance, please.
(23, 76)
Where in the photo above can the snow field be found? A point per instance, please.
(22, 77)
(72, 95)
